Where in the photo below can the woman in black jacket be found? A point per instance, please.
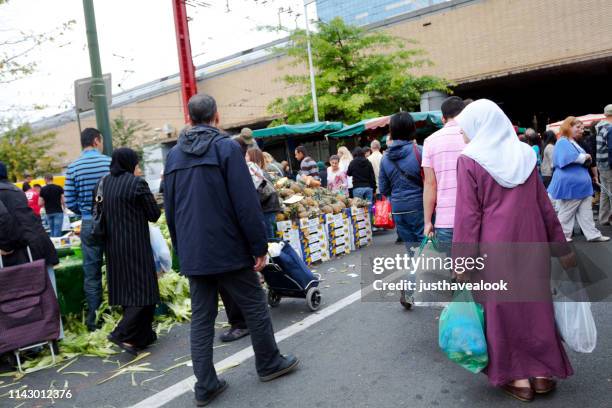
(364, 179)
(128, 206)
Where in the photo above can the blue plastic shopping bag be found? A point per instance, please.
(461, 333)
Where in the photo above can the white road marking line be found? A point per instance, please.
(165, 396)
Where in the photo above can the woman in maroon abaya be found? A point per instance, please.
(502, 206)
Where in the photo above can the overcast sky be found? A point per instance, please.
(137, 42)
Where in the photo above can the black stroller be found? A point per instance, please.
(287, 275)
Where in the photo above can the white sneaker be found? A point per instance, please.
(601, 238)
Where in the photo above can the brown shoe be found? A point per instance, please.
(524, 394)
(543, 385)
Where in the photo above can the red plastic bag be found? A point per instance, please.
(382, 214)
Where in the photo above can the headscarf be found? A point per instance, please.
(3, 171)
(124, 160)
(321, 166)
(494, 144)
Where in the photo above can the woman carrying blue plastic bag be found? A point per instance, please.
(502, 202)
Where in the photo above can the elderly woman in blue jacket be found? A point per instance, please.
(571, 183)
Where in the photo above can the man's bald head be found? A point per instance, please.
(202, 109)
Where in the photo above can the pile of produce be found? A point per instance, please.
(301, 201)
(163, 226)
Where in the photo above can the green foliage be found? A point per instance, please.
(359, 74)
(130, 133)
(24, 151)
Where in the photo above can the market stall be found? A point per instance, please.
(281, 141)
(320, 224)
(366, 130)
(587, 120)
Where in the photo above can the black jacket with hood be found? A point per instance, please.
(213, 212)
(362, 172)
(20, 228)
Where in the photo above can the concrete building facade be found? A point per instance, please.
(359, 12)
(541, 60)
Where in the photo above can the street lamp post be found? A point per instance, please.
(313, 89)
(98, 88)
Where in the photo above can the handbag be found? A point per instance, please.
(98, 229)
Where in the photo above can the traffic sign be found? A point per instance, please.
(83, 99)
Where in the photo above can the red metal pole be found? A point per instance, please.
(183, 45)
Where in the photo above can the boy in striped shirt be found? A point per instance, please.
(81, 178)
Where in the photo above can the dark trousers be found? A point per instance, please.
(244, 287)
(136, 326)
(233, 312)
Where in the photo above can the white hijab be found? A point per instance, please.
(494, 143)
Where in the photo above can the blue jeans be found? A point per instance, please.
(55, 222)
(410, 229)
(92, 271)
(51, 273)
(445, 239)
(270, 224)
(365, 193)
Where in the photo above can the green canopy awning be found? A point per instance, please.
(426, 123)
(296, 130)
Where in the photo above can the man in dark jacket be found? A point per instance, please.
(217, 228)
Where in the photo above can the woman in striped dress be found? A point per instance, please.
(128, 206)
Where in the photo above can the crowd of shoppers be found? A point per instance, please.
(456, 187)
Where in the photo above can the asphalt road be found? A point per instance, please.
(364, 355)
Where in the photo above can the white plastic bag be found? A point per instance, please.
(66, 223)
(161, 252)
(275, 248)
(576, 325)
